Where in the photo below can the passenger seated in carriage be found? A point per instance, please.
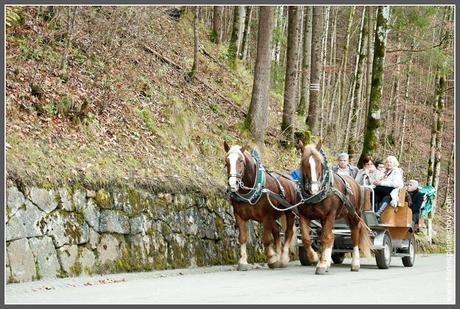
(344, 168)
(387, 188)
(369, 173)
(416, 201)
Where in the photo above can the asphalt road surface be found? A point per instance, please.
(431, 280)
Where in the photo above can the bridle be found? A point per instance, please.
(255, 192)
(238, 176)
(324, 183)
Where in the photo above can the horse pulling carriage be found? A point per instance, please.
(393, 236)
(335, 213)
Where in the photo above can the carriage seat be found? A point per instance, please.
(400, 216)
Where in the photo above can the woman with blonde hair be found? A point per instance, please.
(387, 188)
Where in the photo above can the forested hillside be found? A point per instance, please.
(146, 96)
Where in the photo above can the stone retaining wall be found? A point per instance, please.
(69, 231)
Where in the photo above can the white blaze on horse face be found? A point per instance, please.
(314, 185)
(233, 155)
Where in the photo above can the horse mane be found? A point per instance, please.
(310, 150)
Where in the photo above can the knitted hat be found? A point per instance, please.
(413, 182)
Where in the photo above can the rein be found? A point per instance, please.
(255, 193)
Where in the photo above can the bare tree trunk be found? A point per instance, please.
(317, 27)
(323, 63)
(370, 57)
(306, 61)
(344, 64)
(191, 74)
(216, 34)
(72, 12)
(258, 109)
(449, 176)
(406, 100)
(332, 60)
(247, 26)
(242, 17)
(373, 117)
(290, 80)
(438, 141)
(355, 99)
(436, 128)
(233, 46)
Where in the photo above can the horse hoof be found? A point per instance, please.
(321, 270)
(283, 265)
(242, 267)
(354, 268)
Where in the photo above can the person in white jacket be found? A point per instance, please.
(387, 188)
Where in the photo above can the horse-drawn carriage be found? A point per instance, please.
(319, 196)
(392, 235)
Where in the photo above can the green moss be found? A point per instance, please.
(76, 268)
(103, 199)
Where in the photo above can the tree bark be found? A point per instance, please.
(343, 68)
(436, 127)
(315, 73)
(373, 116)
(393, 109)
(247, 25)
(72, 12)
(290, 79)
(438, 141)
(449, 176)
(355, 107)
(242, 16)
(216, 34)
(195, 47)
(406, 100)
(323, 64)
(258, 109)
(306, 61)
(233, 46)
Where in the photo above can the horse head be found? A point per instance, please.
(311, 167)
(235, 161)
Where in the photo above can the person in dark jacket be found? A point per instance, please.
(416, 201)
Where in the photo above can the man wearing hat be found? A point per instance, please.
(344, 168)
(416, 200)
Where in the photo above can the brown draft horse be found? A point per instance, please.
(242, 171)
(328, 207)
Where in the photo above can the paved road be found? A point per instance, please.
(431, 280)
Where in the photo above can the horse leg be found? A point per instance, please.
(312, 256)
(273, 258)
(289, 233)
(276, 238)
(355, 240)
(327, 242)
(242, 238)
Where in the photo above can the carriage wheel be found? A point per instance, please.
(408, 261)
(303, 257)
(383, 256)
(338, 258)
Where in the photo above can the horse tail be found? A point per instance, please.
(365, 242)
